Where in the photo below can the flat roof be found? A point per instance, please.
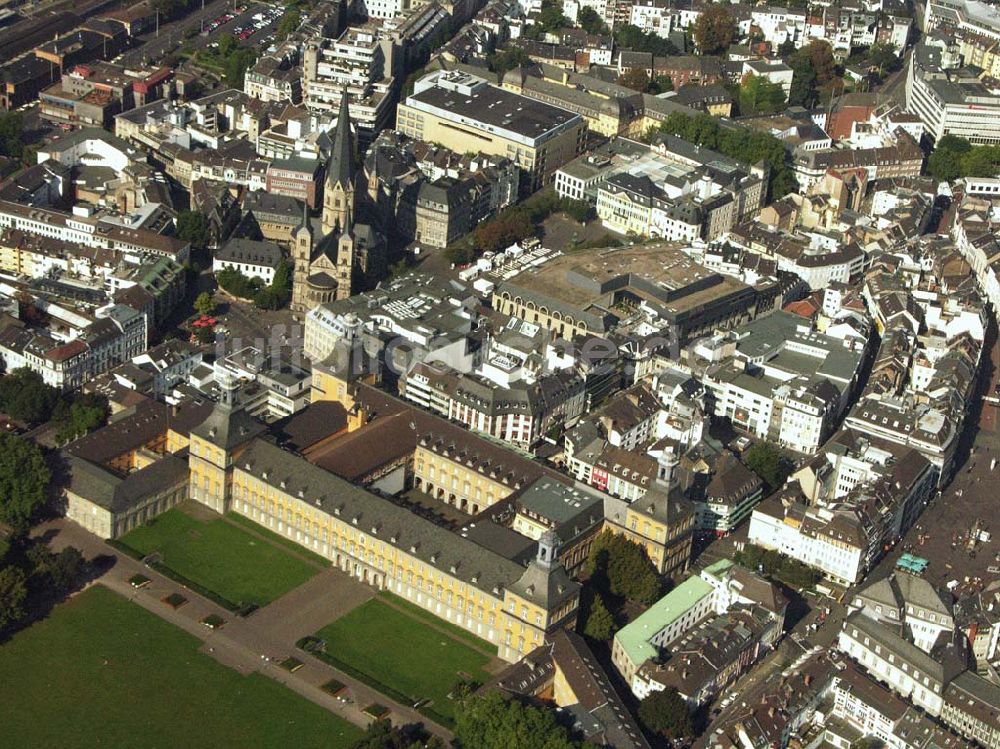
(487, 107)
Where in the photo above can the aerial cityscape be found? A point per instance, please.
(500, 374)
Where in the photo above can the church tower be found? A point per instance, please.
(302, 247)
(339, 191)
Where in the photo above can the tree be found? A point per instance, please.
(205, 336)
(508, 59)
(381, 734)
(493, 721)
(550, 17)
(279, 292)
(24, 477)
(590, 21)
(661, 84)
(636, 79)
(289, 22)
(11, 135)
(714, 30)
(237, 64)
(192, 227)
(802, 92)
(620, 567)
(51, 571)
(24, 396)
(13, 593)
(204, 304)
(637, 40)
(884, 56)
(600, 624)
(82, 415)
(759, 96)
(666, 713)
(237, 284)
(769, 463)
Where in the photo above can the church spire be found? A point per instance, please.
(305, 225)
(340, 167)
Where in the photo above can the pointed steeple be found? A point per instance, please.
(340, 167)
(304, 224)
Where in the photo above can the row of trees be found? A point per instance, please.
(489, 721)
(264, 296)
(638, 79)
(11, 135)
(619, 572)
(517, 223)
(24, 478)
(772, 564)
(496, 721)
(25, 397)
(637, 40)
(739, 143)
(954, 158)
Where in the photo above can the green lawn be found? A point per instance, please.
(402, 653)
(103, 672)
(220, 557)
(278, 538)
(424, 615)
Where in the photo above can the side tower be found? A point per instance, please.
(215, 444)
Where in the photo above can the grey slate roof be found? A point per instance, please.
(389, 523)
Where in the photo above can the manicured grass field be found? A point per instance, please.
(103, 672)
(426, 616)
(278, 538)
(220, 557)
(403, 653)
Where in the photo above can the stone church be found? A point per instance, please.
(350, 253)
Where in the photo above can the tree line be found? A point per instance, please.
(741, 144)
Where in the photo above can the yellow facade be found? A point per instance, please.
(210, 477)
(618, 213)
(455, 483)
(668, 546)
(516, 626)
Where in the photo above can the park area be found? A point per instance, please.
(406, 653)
(101, 671)
(236, 565)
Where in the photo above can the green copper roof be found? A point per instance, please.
(635, 637)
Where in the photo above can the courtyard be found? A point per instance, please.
(237, 565)
(406, 653)
(101, 671)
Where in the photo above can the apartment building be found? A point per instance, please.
(361, 61)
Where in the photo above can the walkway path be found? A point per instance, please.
(259, 642)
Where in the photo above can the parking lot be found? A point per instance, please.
(248, 24)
